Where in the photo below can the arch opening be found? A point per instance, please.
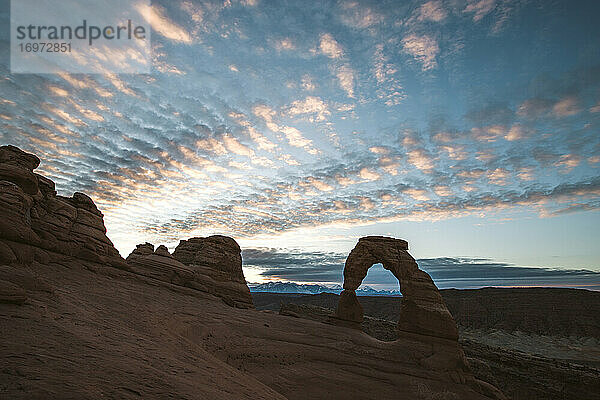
(378, 278)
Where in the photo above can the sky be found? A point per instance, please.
(469, 128)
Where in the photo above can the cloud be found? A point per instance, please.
(293, 135)
(423, 48)
(236, 147)
(379, 150)
(194, 11)
(310, 105)
(534, 108)
(417, 194)
(342, 70)
(295, 138)
(212, 145)
(319, 185)
(465, 272)
(447, 272)
(432, 11)
(455, 152)
(295, 265)
(389, 87)
(488, 133)
(155, 16)
(368, 175)
(568, 162)
(566, 107)
(285, 44)
(366, 203)
(389, 165)
(355, 15)
(330, 47)
(516, 132)
(345, 75)
(498, 176)
(58, 91)
(267, 114)
(480, 8)
(308, 83)
(420, 159)
(504, 12)
(443, 191)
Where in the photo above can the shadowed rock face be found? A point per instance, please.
(212, 265)
(159, 264)
(422, 312)
(217, 265)
(220, 253)
(36, 224)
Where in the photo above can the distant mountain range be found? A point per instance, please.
(291, 287)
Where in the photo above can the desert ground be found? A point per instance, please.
(533, 343)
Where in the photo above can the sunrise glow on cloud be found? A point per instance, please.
(469, 128)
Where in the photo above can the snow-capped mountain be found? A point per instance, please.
(291, 287)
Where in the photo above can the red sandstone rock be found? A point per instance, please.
(35, 222)
(11, 155)
(423, 310)
(214, 266)
(423, 314)
(163, 251)
(145, 261)
(37, 225)
(11, 293)
(217, 264)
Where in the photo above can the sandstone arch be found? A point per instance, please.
(423, 310)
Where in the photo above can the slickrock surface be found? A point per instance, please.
(11, 293)
(563, 363)
(88, 332)
(91, 332)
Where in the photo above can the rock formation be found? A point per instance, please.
(423, 311)
(36, 224)
(217, 264)
(212, 265)
(423, 314)
(159, 264)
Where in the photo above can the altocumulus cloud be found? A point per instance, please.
(282, 140)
